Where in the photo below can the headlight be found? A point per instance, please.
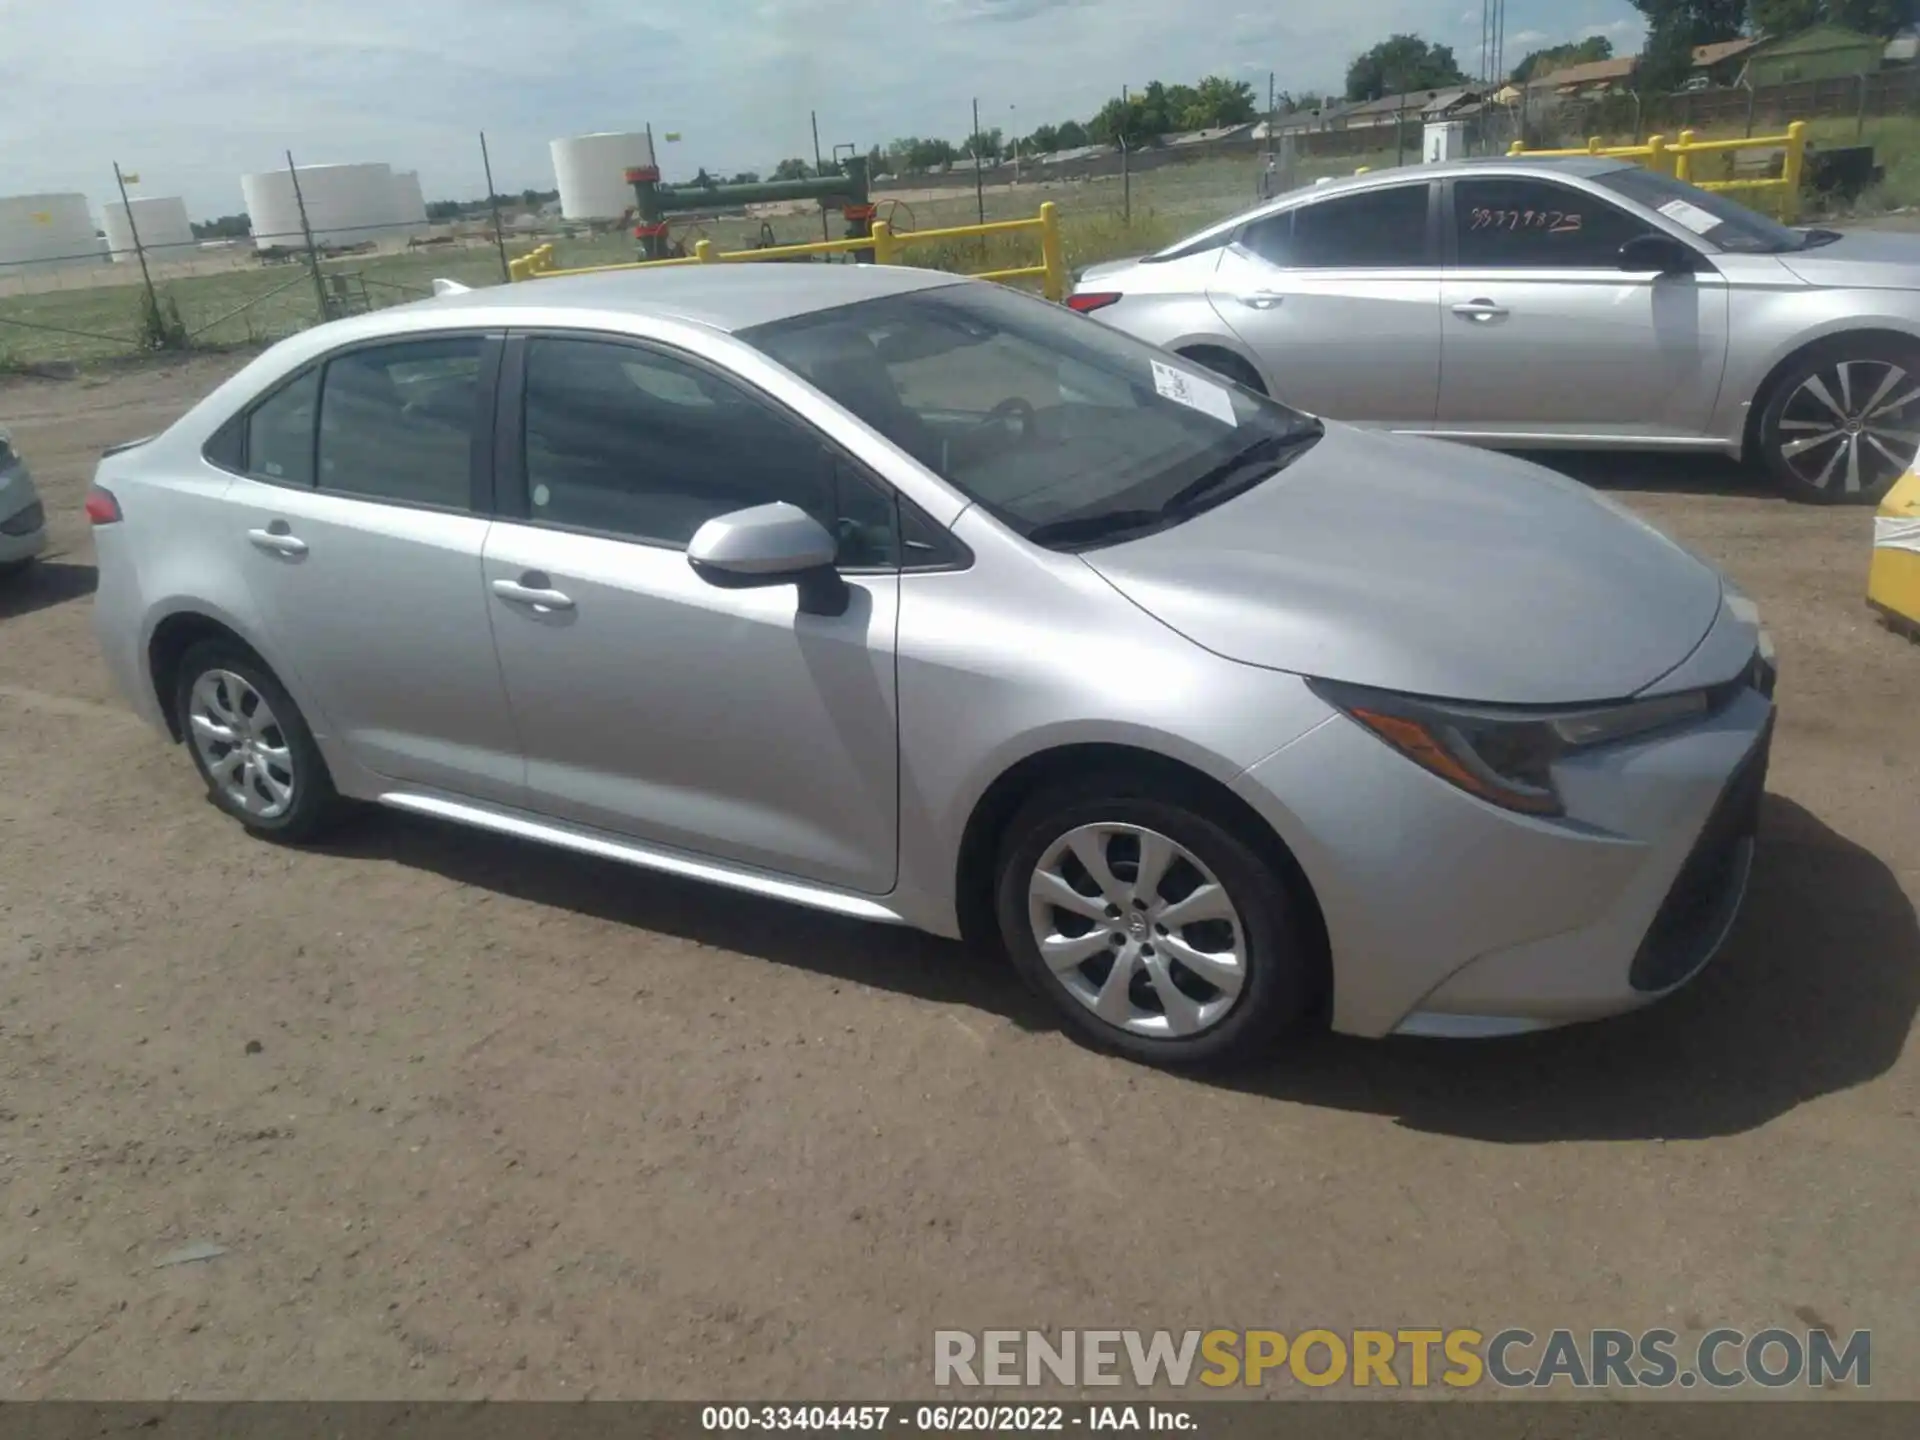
(1505, 757)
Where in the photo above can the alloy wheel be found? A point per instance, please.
(1851, 426)
(1137, 929)
(242, 745)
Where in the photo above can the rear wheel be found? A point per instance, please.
(1155, 930)
(251, 744)
(1843, 423)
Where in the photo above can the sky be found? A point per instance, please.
(189, 94)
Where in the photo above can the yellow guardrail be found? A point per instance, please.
(886, 246)
(1676, 158)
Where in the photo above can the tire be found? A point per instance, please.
(1845, 452)
(280, 789)
(1221, 1012)
(1228, 366)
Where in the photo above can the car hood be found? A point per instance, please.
(1430, 569)
(1861, 260)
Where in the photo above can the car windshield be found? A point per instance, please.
(1719, 221)
(1071, 433)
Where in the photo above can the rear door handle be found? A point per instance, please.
(1262, 299)
(1481, 311)
(277, 539)
(535, 591)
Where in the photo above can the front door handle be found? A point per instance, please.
(278, 539)
(535, 591)
(1481, 311)
(1262, 299)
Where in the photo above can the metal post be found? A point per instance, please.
(1271, 102)
(813, 116)
(499, 235)
(979, 171)
(1126, 184)
(126, 208)
(313, 258)
(1752, 96)
(1860, 116)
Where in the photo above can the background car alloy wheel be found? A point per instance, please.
(1845, 425)
(1138, 930)
(242, 745)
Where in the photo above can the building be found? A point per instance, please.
(1826, 52)
(1722, 63)
(1413, 108)
(1588, 81)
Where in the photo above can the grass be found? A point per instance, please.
(97, 314)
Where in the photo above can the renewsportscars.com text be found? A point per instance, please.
(1416, 1359)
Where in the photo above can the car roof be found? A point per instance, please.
(729, 297)
(1581, 166)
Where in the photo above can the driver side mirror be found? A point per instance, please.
(777, 544)
(1661, 254)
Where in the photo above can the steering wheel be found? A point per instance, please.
(1010, 409)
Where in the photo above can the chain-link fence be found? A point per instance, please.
(97, 302)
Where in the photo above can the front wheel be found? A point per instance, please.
(1844, 422)
(1155, 930)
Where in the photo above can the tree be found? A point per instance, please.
(1073, 135)
(235, 227)
(1871, 17)
(703, 180)
(1219, 101)
(746, 177)
(792, 170)
(1674, 27)
(1560, 57)
(1043, 141)
(986, 144)
(1401, 64)
(1132, 121)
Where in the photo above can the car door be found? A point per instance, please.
(359, 518)
(1546, 334)
(651, 703)
(1340, 298)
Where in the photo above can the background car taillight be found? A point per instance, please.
(1092, 300)
(102, 508)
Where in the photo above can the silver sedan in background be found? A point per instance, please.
(1581, 303)
(919, 600)
(23, 519)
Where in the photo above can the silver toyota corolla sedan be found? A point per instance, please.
(920, 600)
(1582, 303)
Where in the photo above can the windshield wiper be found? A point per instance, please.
(1261, 460)
(1082, 529)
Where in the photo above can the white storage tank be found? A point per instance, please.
(160, 221)
(409, 203)
(346, 205)
(591, 172)
(46, 232)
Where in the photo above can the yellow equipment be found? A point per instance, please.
(1893, 579)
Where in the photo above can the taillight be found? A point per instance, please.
(1090, 300)
(102, 508)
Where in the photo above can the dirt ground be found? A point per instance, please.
(471, 1118)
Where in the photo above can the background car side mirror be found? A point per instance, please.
(777, 544)
(1661, 254)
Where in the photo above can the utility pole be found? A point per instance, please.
(1270, 114)
(493, 201)
(133, 233)
(814, 116)
(979, 171)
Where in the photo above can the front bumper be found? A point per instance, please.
(1893, 577)
(1448, 916)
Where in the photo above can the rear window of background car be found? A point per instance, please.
(1380, 229)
